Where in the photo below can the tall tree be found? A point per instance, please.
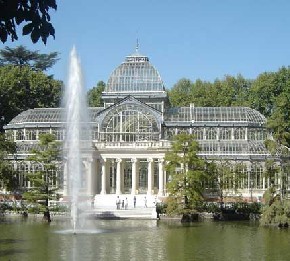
(23, 88)
(21, 56)
(44, 179)
(33, 14)
(180, 94)
(95, 95)
(7, 173)
(187, 172)
(270, 95)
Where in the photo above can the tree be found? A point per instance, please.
(203, 93)
(33, 14)
(187, 173)
(180, 94)
(45, 160)
(22, 88)
(7, 173)
(21, 56)
(270, 95)
(95, 94)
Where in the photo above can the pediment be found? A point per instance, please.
(130, 103)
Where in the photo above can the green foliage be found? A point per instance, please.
(94, 95)
(276, 211)
(21, 56)
(174, 206)
(33, 14)
(247, 208)
(210, 207)
(46, 157)
(270, 95)
(7, 172)
(231, 91)
(180, 94)
(187, 172)
(277, 214)
(236, 207)
(22, 88)
(59, 208)
(161, 208)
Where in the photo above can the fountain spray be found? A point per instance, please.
(77, 135)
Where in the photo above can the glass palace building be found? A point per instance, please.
(134, 129)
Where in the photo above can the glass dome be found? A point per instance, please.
(135, 74)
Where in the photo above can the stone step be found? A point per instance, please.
(109, 200)
(109, 213)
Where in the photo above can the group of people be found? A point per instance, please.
(123, 203)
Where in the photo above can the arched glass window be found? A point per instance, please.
(30, 134)
(129, 122)
(198, 133)
(211, 134)
(257, 173)
(239, 134)
(20, 135)
(225, 134)
(58, 134)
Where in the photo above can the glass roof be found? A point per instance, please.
(182, 114)
(51, 115)
(214, 114)
(135, 74)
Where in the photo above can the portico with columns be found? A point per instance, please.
(130, 175)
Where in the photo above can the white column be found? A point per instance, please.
(150, 175)
(134, 175)
(161, 177)
(96, 176)
(250, 189)
(104, 179)
(108, 164)
(88, 171)
(264, 182)
(91, 176)
(118, 176)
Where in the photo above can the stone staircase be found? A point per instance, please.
(105, 207)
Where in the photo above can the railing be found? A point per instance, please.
(130, 145)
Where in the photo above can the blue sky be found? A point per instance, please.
(195, 39)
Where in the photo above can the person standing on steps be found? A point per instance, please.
(145, 202)
(118, 202)
(134, 201)
(126, 203)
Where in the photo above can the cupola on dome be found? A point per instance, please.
(135, 74)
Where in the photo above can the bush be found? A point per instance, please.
(277, 214)
(59, 208)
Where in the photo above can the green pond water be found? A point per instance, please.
(141, 240)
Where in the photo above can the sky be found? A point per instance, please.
(193, 39)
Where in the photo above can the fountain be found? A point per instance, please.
(77, 139)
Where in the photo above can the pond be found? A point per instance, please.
(141, 240)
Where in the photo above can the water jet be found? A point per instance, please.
(77, 138)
